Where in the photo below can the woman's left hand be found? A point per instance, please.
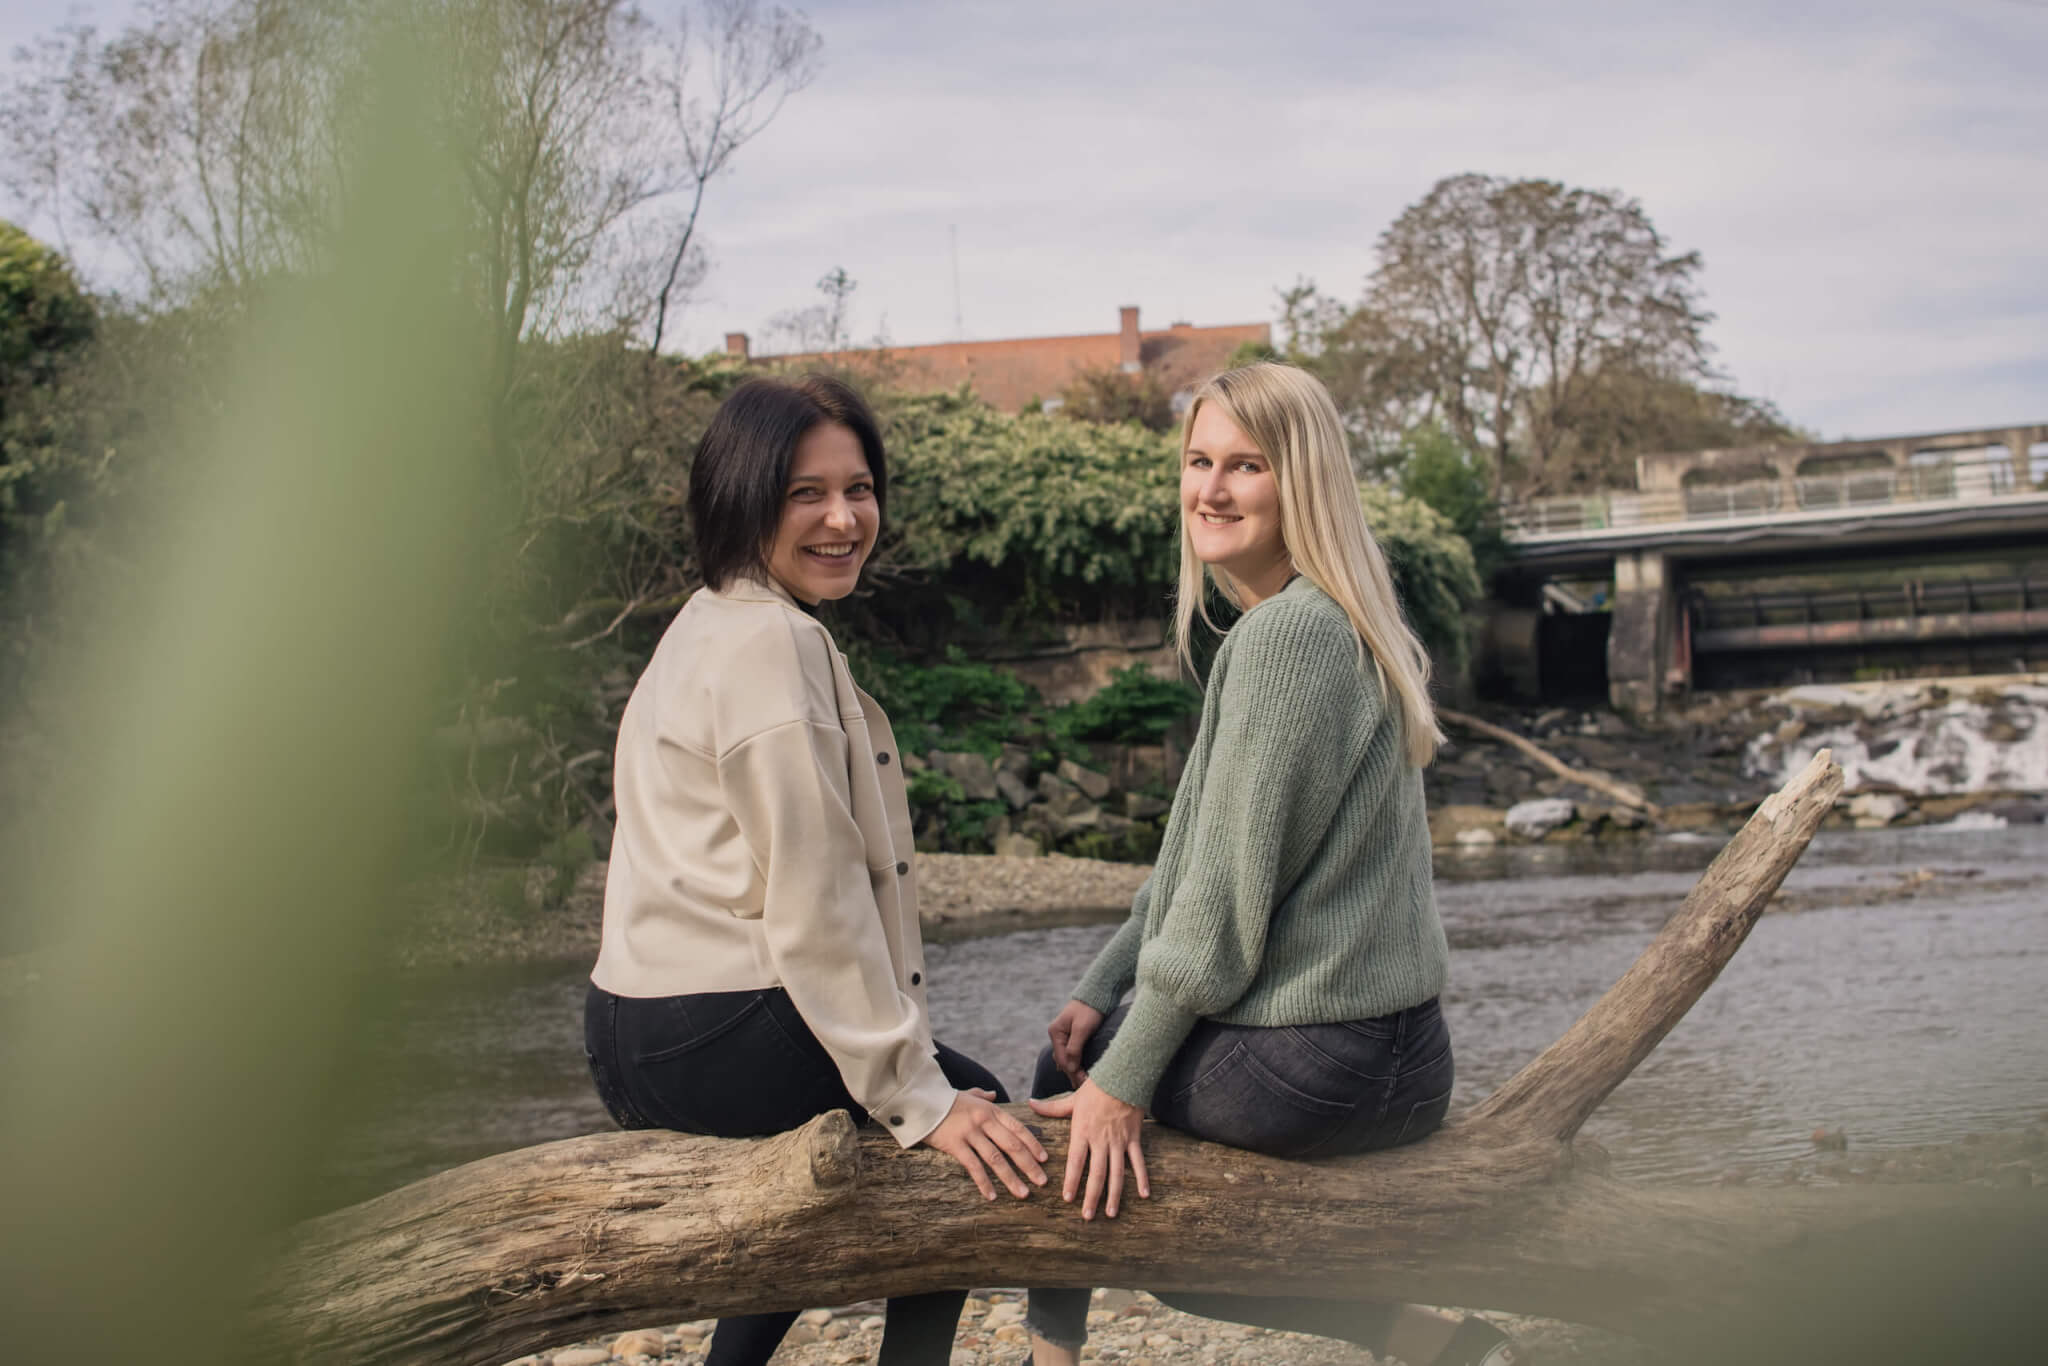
(1102, 1134)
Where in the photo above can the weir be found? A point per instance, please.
(1889, 557)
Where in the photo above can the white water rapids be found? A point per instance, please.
(1927, 737)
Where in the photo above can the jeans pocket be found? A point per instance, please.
(741, 1076)
(1418, 1120)
(1267, 1095)
(1422, 1092)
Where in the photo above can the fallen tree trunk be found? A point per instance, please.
(1624, 793)
(572, 1239)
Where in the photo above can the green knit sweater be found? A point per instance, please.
(1293, 886)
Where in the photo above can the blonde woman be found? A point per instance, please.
(1285, 957)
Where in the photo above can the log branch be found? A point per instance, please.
(1622, 792)
(591, 1235)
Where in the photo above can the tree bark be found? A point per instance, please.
(1500, 1210)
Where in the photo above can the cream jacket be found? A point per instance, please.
(764, 840)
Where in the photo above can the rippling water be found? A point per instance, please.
(1898, 1020)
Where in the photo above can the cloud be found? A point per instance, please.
(1864, 182)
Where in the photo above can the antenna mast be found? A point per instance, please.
(959, 329)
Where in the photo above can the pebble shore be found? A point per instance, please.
(1125, 1328)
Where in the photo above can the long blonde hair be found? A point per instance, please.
(1290, 416)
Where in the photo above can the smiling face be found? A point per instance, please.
(1230, 504)
(829, 516)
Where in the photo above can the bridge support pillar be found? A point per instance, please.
(2019, 442)
(1647, 655)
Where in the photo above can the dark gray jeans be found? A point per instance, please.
(1321, 1090)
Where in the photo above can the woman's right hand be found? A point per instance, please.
(983, 1137)
(1070, 1031)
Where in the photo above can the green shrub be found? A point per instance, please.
(1136, 708)
(956, 704)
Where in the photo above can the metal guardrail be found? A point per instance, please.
(1950, 481)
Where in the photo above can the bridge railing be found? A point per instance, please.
(1967, 480)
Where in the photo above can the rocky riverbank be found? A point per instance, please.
(1125, 1327)
(1913, 753)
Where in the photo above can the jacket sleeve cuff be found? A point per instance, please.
(913, 1112)
(1152, 1032)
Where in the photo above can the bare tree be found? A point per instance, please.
(822, 326)
(1502, 302)
(201, 143)
(752, 59)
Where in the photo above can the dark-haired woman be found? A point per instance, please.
(760, 961)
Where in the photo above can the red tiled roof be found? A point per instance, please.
(1009, 374)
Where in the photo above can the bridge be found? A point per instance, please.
(1718, 557)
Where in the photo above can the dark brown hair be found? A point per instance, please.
(741, 469)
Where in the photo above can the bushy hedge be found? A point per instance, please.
(1003, 529)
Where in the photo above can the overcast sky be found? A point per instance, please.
(1867, 182)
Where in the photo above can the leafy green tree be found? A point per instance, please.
(46, 321)
(1437, 469)
(1107, 395)
(44, 315)
(1434, 573)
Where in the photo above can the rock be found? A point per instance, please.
(1447, 823)
(1139, 807)
(1096, 785)
(1875, 810)
(800, 1335)
(976, 776)
(1084, 815)
(1476, 839)
(1015, 760)
(817, 1318)
(695, 1332)
(1013, 789)
(1626, 817)
(915, 763)
(1135, 766)
(1018, 846)
(1535, 819)
(641, 1342)
(582, 1356)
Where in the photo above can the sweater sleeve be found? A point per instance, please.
(1293, 688)
(1110, 975)
(788, 790)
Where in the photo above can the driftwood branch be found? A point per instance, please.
(1625, 793)
(577, 1238)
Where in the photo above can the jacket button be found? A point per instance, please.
(895, 1119)
(916, 977)
(902, 868)
(882, 758)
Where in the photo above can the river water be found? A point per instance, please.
(1897, 1018)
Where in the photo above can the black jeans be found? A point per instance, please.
(737, 1064)
(1321, 1090)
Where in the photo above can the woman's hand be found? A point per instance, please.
(1103, 1133)
(1070, 1030)
(982, 1137)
